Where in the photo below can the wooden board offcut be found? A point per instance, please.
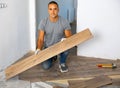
(47, 53)
(92, 83)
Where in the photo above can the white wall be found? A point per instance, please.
(14, 31)
(103, 18)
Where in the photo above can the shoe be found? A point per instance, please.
(63, 68)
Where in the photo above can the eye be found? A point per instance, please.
(55, 9)
(50, 8)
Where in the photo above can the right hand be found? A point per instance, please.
(63, 39)
(37, 51)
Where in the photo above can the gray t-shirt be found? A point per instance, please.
(54, 31)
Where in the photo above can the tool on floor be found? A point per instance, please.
(107, 65)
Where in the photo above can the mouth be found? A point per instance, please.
(53, 15)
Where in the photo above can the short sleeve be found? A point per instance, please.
(41, 25)
(66, 25)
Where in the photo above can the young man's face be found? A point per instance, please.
(53, 10)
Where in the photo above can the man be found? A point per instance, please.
(51, 30)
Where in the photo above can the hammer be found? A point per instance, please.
(107, 65)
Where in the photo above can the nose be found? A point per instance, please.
(53, 11)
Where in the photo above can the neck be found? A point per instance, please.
(54, 19)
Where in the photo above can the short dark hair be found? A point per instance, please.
(53, 2)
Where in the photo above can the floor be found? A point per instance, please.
(80, 67)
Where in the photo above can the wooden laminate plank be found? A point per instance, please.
(47, 53)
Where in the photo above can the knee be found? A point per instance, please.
(46, 66)
(65, 53)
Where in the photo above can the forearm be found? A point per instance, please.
(39, 44)
(40, 40)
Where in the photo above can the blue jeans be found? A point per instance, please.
(48, 63)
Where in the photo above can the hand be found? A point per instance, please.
(37, 51)
(63, 39)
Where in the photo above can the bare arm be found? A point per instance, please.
(40, 40)
(68, 33)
